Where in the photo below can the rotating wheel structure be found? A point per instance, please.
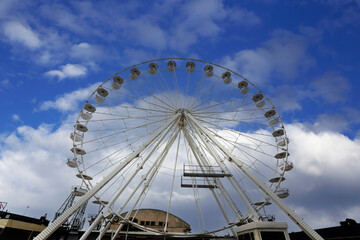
(208, 115)
(183, 136)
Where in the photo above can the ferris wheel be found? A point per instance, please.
(185, 136)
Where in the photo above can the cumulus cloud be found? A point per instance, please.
(18, 33)
(325, 174)
(68, 71)
(284, 55)
(324, 152)
(324, 186)
(69, 101)
(33, 164)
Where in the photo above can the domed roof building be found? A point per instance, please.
(156, 219)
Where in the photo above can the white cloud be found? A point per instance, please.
(244, 17)
(145, 32)
(68, 71)
(16, 118)
(331, 87)
(312, 34)
(5, 84)
(331, 122)
(287, 97)
(17, 32)
(252, 64)
(342, 121)
(69, 101)
(324, 185)
(86, 52)
(33, 164)
(325, 154)
(202, 16)
(284, 55)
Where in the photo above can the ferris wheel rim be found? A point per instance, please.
(88, 182)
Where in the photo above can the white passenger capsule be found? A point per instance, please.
(73, 163)
(190, 67)
(153, 67)
(171, 66)
(99, 99)
(76, 137)
(117, 82)
(102, 92)
(243, 86)
(134, 74)
(82, 175)
(90, 108)
(78, 151)
(81, 127)
(85, 115)
(282, 192)
(209, 70)
(226, 76)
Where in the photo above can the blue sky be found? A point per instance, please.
(302, 54)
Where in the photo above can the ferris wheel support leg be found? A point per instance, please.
(148, 176)
(117, 195)
(92, 226)
(199, 159)
(46, 233)
(288, 211)
(254, 214)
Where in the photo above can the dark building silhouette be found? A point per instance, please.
(348, 230)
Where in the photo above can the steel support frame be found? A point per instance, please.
(46, 233)
(288, 211)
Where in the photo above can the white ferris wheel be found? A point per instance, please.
(185, 136)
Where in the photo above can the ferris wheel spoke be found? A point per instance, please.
(153, 95)
(241, 148)
(169, 95)
(137, 98)
(128, 129)
(209, 95)
(212, 97)
(126, 118)
(176, 87)
(202, 117)
(218, 104)
(157, 107)
(197, 92)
